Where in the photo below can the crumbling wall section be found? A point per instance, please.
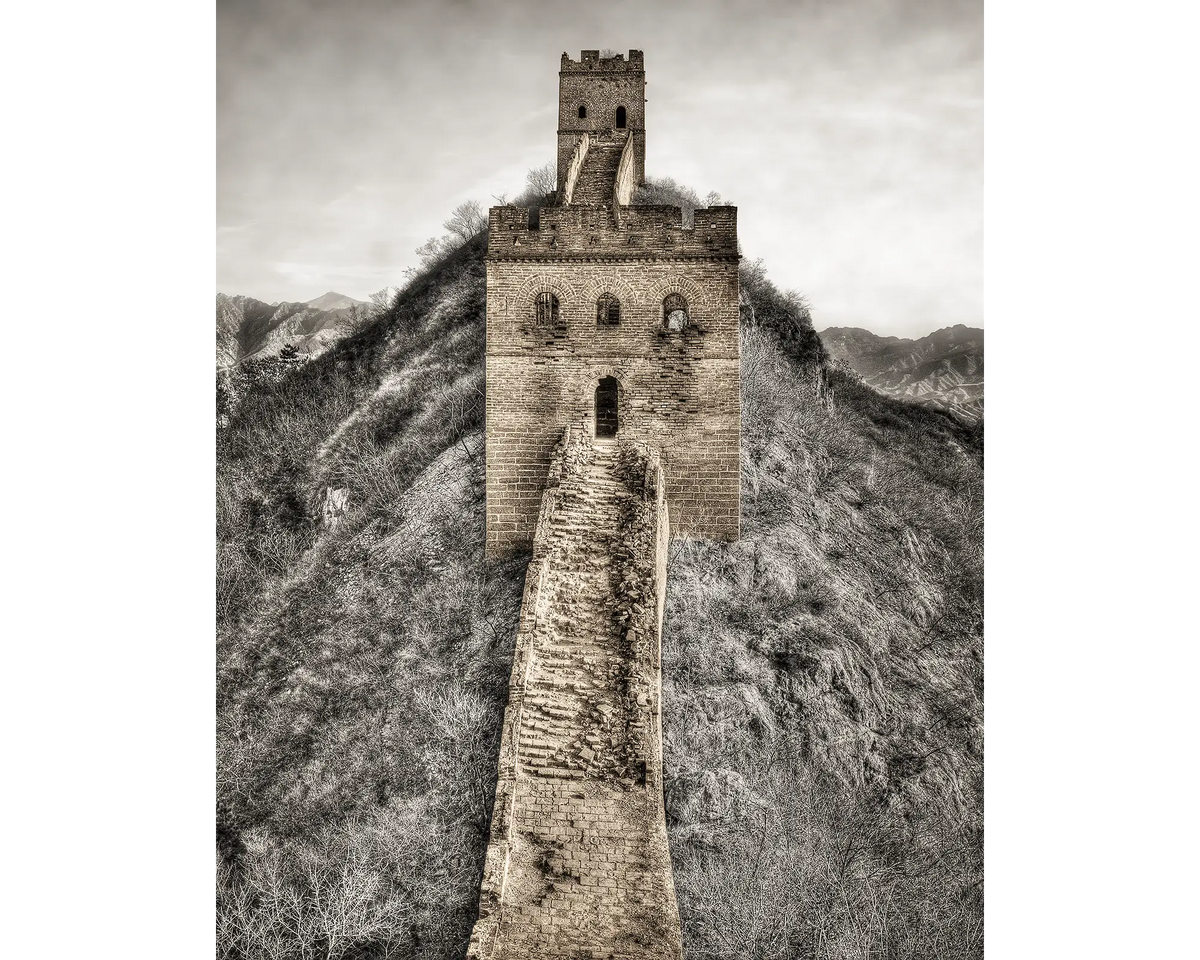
(533, 607)
(578, 862)
(573, 168)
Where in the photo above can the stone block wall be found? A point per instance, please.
(679, 392)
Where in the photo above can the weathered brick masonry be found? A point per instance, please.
(578, 864)
(679, 389)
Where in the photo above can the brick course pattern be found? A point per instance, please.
(578, 864)
(679, 390)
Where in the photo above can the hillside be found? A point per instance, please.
(943, 369)
(823, 676)
(250, 328)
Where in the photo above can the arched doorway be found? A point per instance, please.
(607, 393)
(621, 118)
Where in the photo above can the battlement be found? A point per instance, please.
(588, 232)
(590, 61)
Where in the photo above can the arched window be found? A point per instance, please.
(675, 313)
(621, 117)
(582, 112)
(608, 310)
(547, 309)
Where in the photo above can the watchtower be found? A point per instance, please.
(612, 317)
(600, 97)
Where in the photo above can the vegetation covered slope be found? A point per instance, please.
(822, 691)
(823, 683)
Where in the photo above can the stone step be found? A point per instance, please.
(557, 772)
(573, 649)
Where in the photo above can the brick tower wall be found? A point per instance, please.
(679, 392)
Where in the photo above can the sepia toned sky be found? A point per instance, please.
(848, 132)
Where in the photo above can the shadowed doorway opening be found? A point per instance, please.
(606, 407)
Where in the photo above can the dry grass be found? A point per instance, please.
(823, 693)
(362, 671)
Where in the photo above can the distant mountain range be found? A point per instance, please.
(943, 369)
(249, 328)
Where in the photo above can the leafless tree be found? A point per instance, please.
(468, 219)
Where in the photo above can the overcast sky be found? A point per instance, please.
(848, 132)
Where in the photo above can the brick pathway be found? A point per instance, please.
(588, 870)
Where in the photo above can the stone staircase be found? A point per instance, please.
(599, 174)
(574, 722)
(581, 869)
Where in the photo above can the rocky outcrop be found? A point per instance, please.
(335, 506)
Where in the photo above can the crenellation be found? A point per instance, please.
(590, 62)
(575, 232)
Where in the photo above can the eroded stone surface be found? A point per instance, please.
(578, 865)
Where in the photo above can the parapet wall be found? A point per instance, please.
(577, 159)
(623, 187)
(534, 606)
(589, 233)
(590, 62)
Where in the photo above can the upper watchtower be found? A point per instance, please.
(603, 97)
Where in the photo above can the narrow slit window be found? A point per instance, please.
(621, 118)
(608, 310)
(547, 309)
(675, 313)
(582, 112)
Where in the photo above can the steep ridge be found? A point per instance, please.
(578, 862)
(822, 734)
